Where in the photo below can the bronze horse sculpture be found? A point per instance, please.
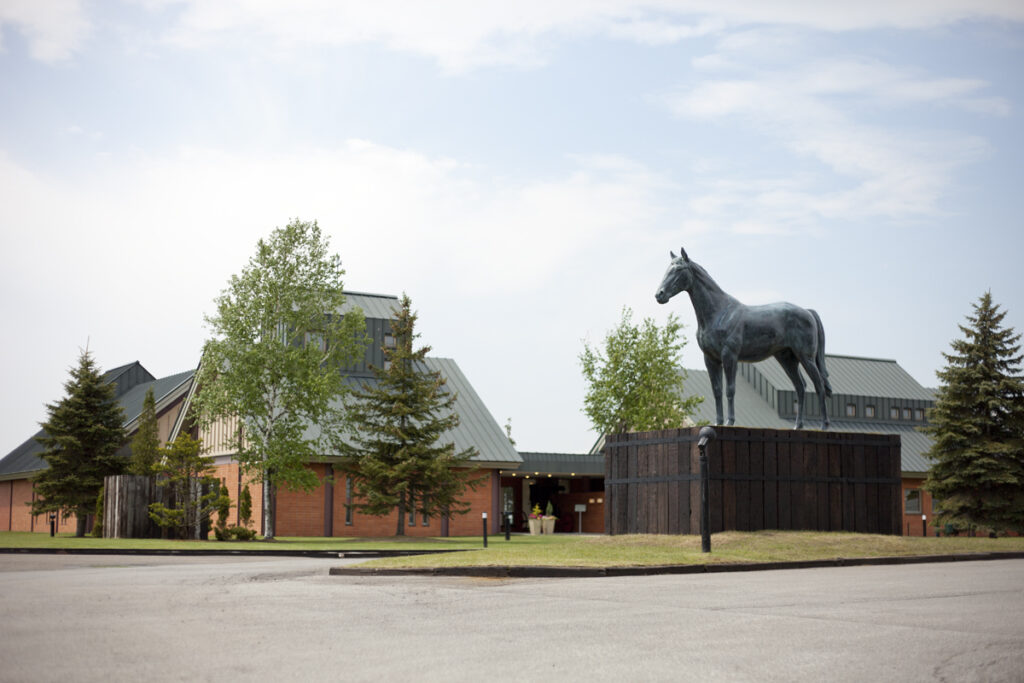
(729, 332)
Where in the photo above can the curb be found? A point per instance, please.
(594, 572)
(355, 554)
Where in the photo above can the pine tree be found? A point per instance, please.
(83, 432)
(977, 475)
(146, 442)
(184, 470)
(398, 460)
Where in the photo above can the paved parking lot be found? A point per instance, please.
(66, 617)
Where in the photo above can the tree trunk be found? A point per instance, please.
(81, 520)
(268, 508)
(401, 516)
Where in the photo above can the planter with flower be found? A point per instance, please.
(549, 519)
(535, 520)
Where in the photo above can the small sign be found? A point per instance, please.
(581, 507)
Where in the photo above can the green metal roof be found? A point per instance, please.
(24, 460)
(856, 377)
(580, 464)
(850, 376)
(373, 305)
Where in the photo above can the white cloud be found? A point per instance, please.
(55, 29)
(465, 34)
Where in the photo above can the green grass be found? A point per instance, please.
(728, 547)
(568, 550)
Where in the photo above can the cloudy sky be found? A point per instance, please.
(520, 169)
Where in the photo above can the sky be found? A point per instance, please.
(521, 170)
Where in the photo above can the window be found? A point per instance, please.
(851, 410)
(316, 340)
(389, 341)
(869, 411)
(911, 501)
(906, 413)
(919, 414)
(424, 520)
(894, 413)
(348, 501)
(412, 509)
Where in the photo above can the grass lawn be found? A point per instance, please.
(569, 550)
(728, 547)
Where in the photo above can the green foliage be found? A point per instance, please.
(97, 527)
(146, 442)
(398, 457)
(223, 507)
(635, 383)
(183, 471)
(245, 507)
(277, 356)
(82, 434)
(977, 475)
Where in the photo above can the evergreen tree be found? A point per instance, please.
(146, 442)
(977, 475)
(183, 470)
(636, 382)
(83, 432)
(398, 460)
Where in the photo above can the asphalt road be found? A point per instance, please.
(86, 618)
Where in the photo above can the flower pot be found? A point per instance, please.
(534, 527)
(549, 524)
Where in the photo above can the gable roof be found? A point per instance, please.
(380, 306)
(857, 377)
(24, 460)
(849, 375)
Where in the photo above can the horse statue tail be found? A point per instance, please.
(819, 360)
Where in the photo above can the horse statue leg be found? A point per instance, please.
(791, 366)
(714, 367)
(811, 368)
(729, 365)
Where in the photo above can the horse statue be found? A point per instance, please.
(729, 332)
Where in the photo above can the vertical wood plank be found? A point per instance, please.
(755, 514)
(743, 486)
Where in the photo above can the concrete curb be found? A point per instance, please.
(593, 572)
(357, 554)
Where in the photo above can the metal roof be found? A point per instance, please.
(25, 460)
(381, 306)
(580, 464)
(857, 377)
(752, 410)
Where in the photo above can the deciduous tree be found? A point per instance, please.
(635, 382)
(399, 456)
(977, 472)
(83, 432)
(276, 359)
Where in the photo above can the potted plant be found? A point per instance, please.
(548, 520)
(535, 520)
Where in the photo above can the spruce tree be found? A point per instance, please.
(83, 432)
(398, 459)
(977, 475)
(184, 470)
(146, 442)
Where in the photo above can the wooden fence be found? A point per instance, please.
(126, 506)
(759, 479)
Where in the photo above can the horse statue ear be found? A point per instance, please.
(672, 254)
(682, 252)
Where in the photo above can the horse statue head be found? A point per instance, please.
(678, 277)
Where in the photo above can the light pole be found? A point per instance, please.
(706, 434)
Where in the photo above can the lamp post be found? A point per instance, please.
(706, 434)
(485, 529)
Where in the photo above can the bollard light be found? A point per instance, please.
(485, 529)
(706, 435)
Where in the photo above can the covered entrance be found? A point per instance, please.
(565, 480)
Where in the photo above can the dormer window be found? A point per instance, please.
(894, 413)
(869, 411)
(389, 341)
(851, 410)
